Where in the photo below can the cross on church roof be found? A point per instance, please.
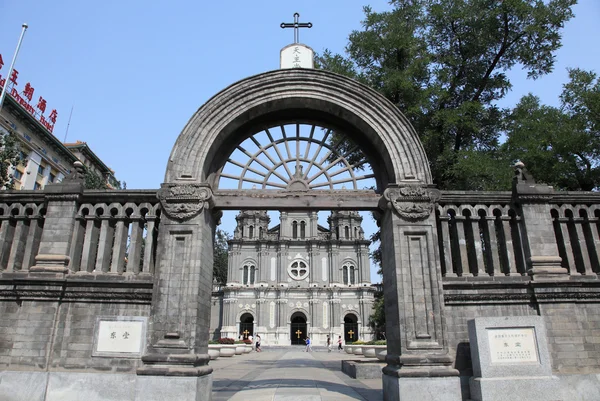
(296, 25)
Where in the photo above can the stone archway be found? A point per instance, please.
(191, 200)
(298, 328)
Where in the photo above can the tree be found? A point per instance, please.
(377, 318)
(560, 145)
(443, 64)
(10, 156)
(221, 252)
(92, 180)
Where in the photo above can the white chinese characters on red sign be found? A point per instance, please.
(26, 96)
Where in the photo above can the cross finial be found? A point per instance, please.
(296, 25)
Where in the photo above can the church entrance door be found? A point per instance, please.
(350, 328)
(298, 328)
(247, 325)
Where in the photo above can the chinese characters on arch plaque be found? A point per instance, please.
(119, 336)
(297, 56)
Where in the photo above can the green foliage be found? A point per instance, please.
(359, 342)
(380, 342)
(560, 145)
(10, 156)
(377, 318)
(443, 64)
(221, 252)
(93, 180)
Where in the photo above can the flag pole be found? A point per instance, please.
(12, 64)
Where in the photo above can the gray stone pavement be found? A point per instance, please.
(287, 374)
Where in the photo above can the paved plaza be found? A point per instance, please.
(280, 374)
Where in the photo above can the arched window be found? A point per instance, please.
(260, 233)
(349, 273)
(249, 274)
(337, 232)
(251, 232)
(302, 229)
(355, 233)
(347, 232)
(242, 231)
(295, 229)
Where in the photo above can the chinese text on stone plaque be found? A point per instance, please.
(119, 336)
(512, 345)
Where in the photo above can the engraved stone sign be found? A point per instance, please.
(512, 345)
(297, 56)
(510, 352)
(119, 336)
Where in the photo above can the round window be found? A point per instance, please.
(298, 270)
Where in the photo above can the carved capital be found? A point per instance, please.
(411, 202)
(182, 202)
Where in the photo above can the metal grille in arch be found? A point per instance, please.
(296, 157)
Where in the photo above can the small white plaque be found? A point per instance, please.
(297, 56)
(120, 337)
(512, 345)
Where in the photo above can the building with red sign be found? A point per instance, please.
(48, 159)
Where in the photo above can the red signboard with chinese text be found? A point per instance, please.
(26, 98)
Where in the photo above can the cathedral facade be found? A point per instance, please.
(296, 279)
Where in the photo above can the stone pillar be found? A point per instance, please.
(417, 359)
(57, 235)
(180, 315)
(537, 234)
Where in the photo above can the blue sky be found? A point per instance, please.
(136, 71)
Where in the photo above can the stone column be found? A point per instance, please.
(414, 307)
(180, 315)
(538, 239)
(57, 235)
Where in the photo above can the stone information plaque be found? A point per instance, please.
(512, 345)
(119, 336)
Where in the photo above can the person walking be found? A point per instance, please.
(328, 343)
(258, 343)
(308, 346)
(340, 344)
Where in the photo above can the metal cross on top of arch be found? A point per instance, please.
(295, 157)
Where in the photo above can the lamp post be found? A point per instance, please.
(12, 64)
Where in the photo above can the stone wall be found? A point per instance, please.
(570, 310)
(50, 325)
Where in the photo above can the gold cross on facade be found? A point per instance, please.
(245, 333)
(351, 334)
(298, 333)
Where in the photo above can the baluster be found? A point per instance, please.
(593, 224)
(105, 245)
(480, 266)
(77, 244)
(33, 241)
(447, 246)
(149, 246)
(135, 244)
(494, 249)
(15, 257)
(585, 256)
(510, 251)
(462, 244)
(90, 244)
(564, 228)
(7, 230)
(118, 252)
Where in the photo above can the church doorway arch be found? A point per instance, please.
(350, 328)
(298, 328)
(246, 325)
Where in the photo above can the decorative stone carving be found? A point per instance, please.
(182, 202)
(411, 202)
